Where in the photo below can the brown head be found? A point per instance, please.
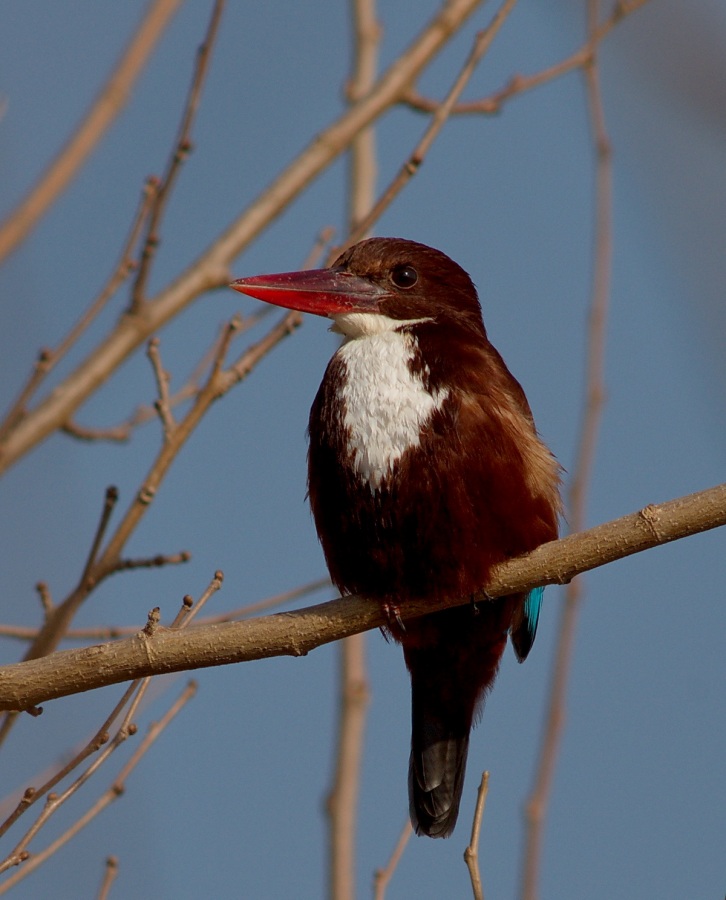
(400, 279)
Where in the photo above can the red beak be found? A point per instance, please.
(324, 292)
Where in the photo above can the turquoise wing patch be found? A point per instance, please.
(524, 634)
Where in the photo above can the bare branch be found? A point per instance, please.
(383, 876)
(110, 874)
(353, 690)
(116, 434)
(363, 168)
(163, 403)
(411, 166)
(182, 148)
(153, 562)
(111, 632)
(211, 269)
(471, 854)
(214, 585)
(107, 106)
(32, 794)
(520, 84)
(46, 599)
(112, 793)
(146, 413)
(219, 382)
(18, 409)
(342, 802)
(296, 633)
(277, 600)
(110, 501)
(594, 399)
(49, 358)
(131, 698)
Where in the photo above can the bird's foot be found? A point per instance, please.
(393, 614)
(476, 599)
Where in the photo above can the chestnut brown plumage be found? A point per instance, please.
(425, 470)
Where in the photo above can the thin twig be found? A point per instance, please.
(110, 560)
(110, 873)
(32, 795)
(46, 600)
(214, 585)
(520, 84)
(106, 107)
(112, 793)
(411, 166)
(109, 504)
(18, 409)
(182, 148)
(594, 398)
(362, 157)
(123, 269)
(146, 413)
(131, 698)
(382, 877)
(471, 854)
(109, 633)
(162, 404)
(58, 617)
(244, 612)
(153, 562)
(115, 434)
(218, 383)
(49, 358)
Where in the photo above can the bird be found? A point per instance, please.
(425, 471)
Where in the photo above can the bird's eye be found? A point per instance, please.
(404, 276)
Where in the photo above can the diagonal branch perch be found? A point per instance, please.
(296, 633)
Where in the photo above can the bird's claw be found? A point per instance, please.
(393, 614)
(476, 599)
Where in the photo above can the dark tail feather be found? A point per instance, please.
(439, 747)
(453, 658)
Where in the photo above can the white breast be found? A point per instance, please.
(385, 403)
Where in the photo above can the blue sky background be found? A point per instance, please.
(229, 803)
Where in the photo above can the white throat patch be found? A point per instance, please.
(385, 404)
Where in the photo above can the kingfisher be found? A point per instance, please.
(425, 471)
